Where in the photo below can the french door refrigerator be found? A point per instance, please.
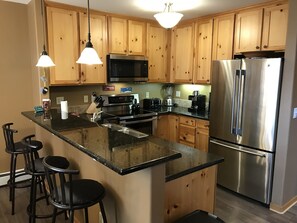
(243, 123)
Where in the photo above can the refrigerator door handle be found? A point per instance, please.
(240, 102)
(234, 103)
(237, 149)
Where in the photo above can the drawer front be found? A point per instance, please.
(187, 133)
(202, 124)
(187, 121)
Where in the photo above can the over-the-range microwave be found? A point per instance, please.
(122, 68)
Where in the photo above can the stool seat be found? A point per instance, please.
(199, 216)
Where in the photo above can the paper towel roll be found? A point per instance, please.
(64, 109)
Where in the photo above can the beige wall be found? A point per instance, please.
(15, 75)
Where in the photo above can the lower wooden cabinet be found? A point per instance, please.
(186, 130)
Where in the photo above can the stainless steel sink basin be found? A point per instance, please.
(125, 130)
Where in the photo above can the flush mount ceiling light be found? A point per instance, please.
(167, 18)
(44, 60)
(89, 55)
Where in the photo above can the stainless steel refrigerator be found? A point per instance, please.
(243, 123)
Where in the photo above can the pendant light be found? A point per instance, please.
(89, 55)
(167, 18)
(44, 60)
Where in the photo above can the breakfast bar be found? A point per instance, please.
(140, 172)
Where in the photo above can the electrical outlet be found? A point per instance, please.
(295, 113)
(86, 98)
(177, 94)
(147, 94)
(59, 99)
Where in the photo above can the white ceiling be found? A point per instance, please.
(147, 8)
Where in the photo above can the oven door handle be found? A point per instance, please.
(138, 121)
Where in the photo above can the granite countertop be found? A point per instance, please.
(180, 111)
(121, 152)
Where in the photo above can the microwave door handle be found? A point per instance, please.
(234, 101)
(138, 121)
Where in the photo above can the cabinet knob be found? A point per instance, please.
(257, 47)
(265, 46)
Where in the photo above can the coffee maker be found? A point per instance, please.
(198, 102)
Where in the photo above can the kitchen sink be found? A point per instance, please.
(125, 130)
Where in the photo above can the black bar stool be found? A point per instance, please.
(14, 149)
(69, 194)
(34, 167)
(199, 216)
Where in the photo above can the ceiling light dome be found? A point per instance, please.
(167, 18)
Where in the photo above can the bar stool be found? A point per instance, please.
(199, 216)
(69, 194)
(14, 149)
(34, 167)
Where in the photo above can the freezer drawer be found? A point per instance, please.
(245, 171)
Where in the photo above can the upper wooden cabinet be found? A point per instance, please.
(251, 36)
(182, 54)
(63, 45)
(275, 27)
(157, 52)
(93, 74)
(203, 40)
(66, 42)
(223, 32)
(126, 36)
(248, 31)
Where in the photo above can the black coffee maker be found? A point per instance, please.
(198, 102)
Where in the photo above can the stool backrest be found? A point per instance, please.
(60, 183)
(8, 136)
(30, 154)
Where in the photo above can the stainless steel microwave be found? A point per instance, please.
(122, 68)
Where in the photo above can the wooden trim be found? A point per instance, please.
(281, 209)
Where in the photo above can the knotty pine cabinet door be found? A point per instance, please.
(248, 31)
(202, 134)
(223, 32)
(167, 127)
(63, 45)
(182, 54)
(203, 51)
(157, 52)
(275, 27)
(126, 36)
(93, 74)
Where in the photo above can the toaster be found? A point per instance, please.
(151, 103)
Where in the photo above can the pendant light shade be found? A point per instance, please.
(89, 55)
(167, 18)
(44, 60)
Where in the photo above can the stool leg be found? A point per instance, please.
(86, 216)
(102, 211)
(71, 212)
(32, 204)
(44, 189)
(12, 183)
(54, 215)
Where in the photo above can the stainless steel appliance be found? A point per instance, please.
(167, 92)
(151, 103)
(126, 108)
(123, 68)
(198, 102)
(243, 123)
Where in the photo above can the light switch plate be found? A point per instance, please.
(59, 99)
(295, 113)
(177, 94)
(147, 94)
(86, 98)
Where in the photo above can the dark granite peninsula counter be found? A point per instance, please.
(139, 173)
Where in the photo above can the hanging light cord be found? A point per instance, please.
(89, 44)
(43, 29)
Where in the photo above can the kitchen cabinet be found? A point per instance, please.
(203, 51)
(127, 36)
(275, 27)
(202, 134)
(167, 127)
(250, 35)
(187, 131)
(223, 32)
(63, 45)
(93, 74)
(182, 53)
(157, 52)
(248, 31)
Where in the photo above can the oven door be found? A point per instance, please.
(146, 125)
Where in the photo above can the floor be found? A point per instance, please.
(229, 207)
